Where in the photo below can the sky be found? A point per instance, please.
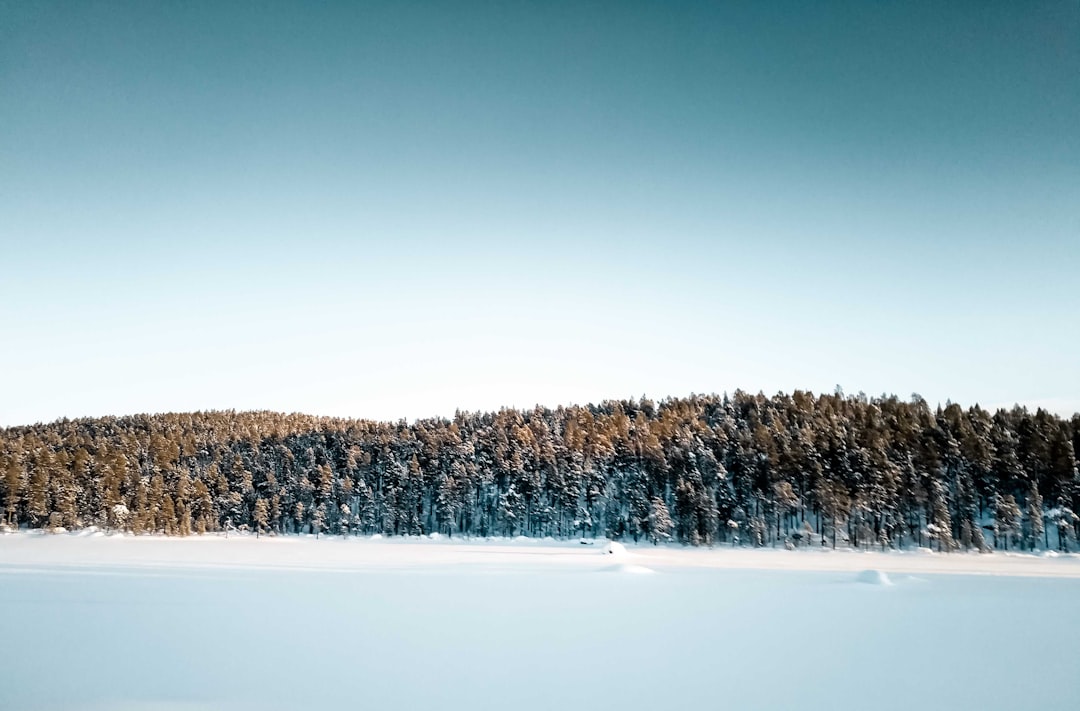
(397, 210)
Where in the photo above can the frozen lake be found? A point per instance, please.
(242, 624)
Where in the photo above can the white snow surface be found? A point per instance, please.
(92, 622)
(630, 568)
(91, 549)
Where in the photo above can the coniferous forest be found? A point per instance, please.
(791, 470)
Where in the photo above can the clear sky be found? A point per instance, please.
(398, 209)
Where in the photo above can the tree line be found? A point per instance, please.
(792, 470)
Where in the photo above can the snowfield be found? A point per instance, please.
(92, 622)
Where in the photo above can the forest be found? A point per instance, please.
(740, 470)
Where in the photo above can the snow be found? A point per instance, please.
(630, 568)
(121, 622)
(619, 552)
(616, 549)
(873, 577)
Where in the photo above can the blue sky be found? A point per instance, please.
(394, 210)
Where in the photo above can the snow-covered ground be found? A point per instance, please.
(93, 622)
(93, 549)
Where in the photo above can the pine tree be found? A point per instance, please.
(1006, 520)
(1064, 520)
(345, 520)
(940, 526)
(298, 515)
(38, 495)
(260, 515)
(203, 508)
(182, 494)
(660, 523)
(511, 511)
(119, 515)
(873, 471)
(446, 503)
(1035, 518)
(12, 489)
(168, 516)
(318, 519)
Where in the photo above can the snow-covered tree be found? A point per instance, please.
(260, 516)
(660, 524)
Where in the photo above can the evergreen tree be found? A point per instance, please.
(318, 519)
(850, 469)
(1006, 520)
(1036, 528)
(12, 489)
(260, 516)
(660, 524)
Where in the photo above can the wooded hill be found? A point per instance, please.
(788, 470)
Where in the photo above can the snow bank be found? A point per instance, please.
(615, 549)
(630, 569)
(89, 532)
(873, 577)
